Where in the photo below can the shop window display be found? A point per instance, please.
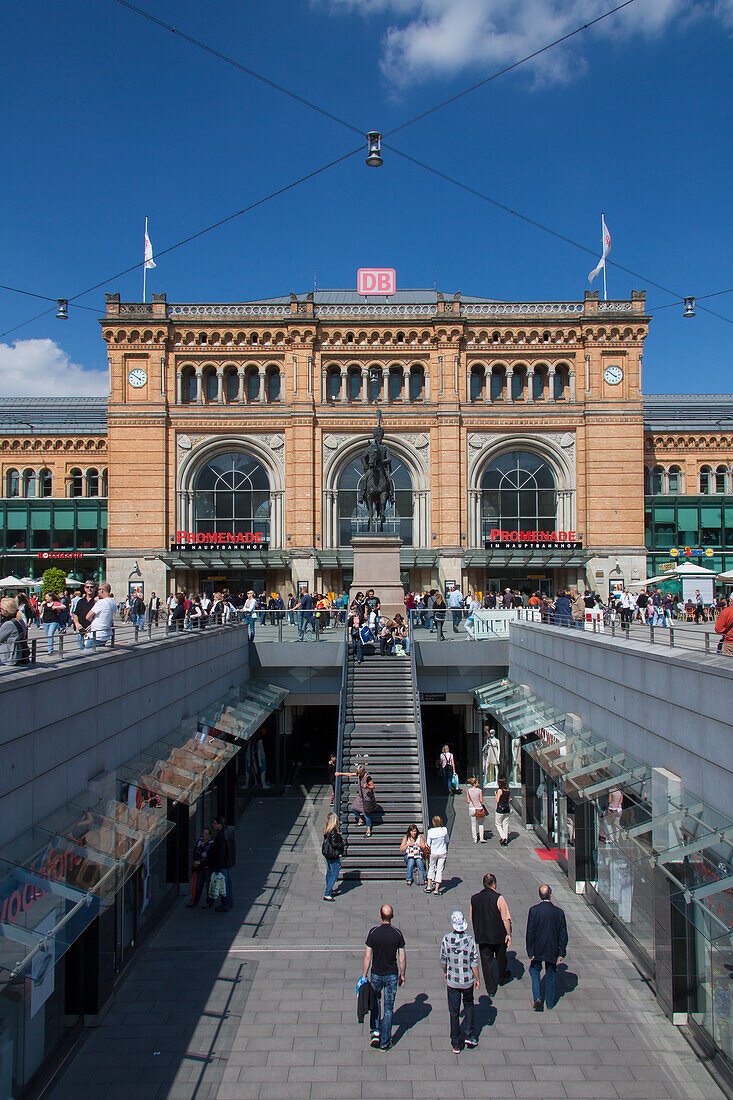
(500, 757)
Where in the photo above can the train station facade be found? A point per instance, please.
(228, 452)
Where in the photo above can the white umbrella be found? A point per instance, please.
(689, 569)
(728, 577)
(651, 580)
(29, 582)
(11, 582)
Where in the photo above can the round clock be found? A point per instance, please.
(613, 375)
(137, 377)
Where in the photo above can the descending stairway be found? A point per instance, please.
(380, 720)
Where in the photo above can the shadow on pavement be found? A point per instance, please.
(407, 1015)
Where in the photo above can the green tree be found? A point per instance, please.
(54, 581)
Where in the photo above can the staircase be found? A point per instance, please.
(380, 727)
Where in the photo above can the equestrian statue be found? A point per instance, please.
(377, 487)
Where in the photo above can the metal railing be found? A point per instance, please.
(418, 727)
(681, 635)
(341, 723)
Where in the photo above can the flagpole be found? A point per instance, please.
(145, 258)
(603, 245)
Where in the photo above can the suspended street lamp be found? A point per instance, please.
(62, 309)
(374, 141)
(689, 307)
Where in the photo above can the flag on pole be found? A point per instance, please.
(606, 237)
(149, 262)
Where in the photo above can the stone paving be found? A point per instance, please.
(260, 1004)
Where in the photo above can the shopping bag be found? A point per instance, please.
(454, 782)
(366, 635)
(217, 886)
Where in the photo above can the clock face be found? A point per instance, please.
(137, 377)
(613, 375)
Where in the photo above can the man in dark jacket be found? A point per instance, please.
(547, 942)
(220, 860)
(492, 931)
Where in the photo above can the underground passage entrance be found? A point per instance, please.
(314, 738)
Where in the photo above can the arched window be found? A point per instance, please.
(417, 384)
(103, 487)
(188, 386)
(253, 385)
(76, 483)
(562, 382)
(477, 384)
(394, 381)
(29, 483)
(92, 483)
(657, 480)
(231, 385)
(497, 383)
(706, 480)
(232, 496)
(720, 479)
(273, 384)
(12, 483)
(211, 386)
(45, 483)
(518, 494)
(539, 383)
(674, 481)
(352, 516)
(355, 385)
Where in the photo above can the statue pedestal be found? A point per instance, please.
(377, 566)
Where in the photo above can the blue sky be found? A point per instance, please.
(108, 118)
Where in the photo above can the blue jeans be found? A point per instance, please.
(332, 873)
(306, 622)
(454, 1009)
(139, 621)
(413, 862)
(49, 630)
(249, 620)
(358, 647)
(364, 814)
(535, 972)
(383, 1028)
(457, 616)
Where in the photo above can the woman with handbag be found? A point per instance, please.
(476, 810)
(332, 850)
(412, 848)
(448, 767)
(501, 816)
(365, 802)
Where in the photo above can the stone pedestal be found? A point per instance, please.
(377, 566)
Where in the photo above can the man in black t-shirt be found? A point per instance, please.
(82, 609)
(385, 953)
(373, 603)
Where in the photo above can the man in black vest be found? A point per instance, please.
(547, 942)
(492, 931)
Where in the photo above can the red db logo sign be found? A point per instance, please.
(376, 280)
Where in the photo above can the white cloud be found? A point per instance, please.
(40, 368)
(440, 38)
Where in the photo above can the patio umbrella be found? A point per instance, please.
(29, 582)
(689, 569)
(11, 582)
(728, 577)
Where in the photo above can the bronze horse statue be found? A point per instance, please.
(377, 487)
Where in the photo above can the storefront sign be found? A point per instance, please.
(376, 280)
(552, 540)
(692, 551)
(432, 696)
(666, 567)
(63, 554)
(248, 540)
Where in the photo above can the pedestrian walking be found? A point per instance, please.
(501, 814)
(492, 930)
(459, 959)
(332, 849)
(364, 802)
(438, 841)
(724, 627)
(385, 954)
(332, 775)
(50, 610)
(222, 858)
(448, 767)
(412, 848)
(440, 610)
(476, 810)
(201, 870)
(547, 942)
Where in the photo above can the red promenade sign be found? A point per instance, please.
(242, 540)
(549, 539)
(376, 280)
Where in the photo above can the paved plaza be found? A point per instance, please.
(260, 1004)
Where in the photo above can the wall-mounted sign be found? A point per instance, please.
(432, 696)
(691, 551)
(376, 280)
(65, 554)
(666, 567)
(216, 540)
(551, 540)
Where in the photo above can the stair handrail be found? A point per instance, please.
(341, 724)
(418, 722)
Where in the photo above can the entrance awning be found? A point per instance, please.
(226, 559)
(518, 709)
(242, 713)
(530, 559)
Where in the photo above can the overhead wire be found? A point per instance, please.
(697, 298)
(44, 297)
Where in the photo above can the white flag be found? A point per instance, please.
(606, 249)
(149, 262)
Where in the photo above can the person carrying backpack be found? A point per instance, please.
(137, 611)
(13, 634)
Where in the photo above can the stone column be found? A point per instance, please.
(199, 386)
(240, 385)
(384, 388)
(571, 378)
(551, 384)
(179, 387)
(405, 384)
(509, 375)
(261, 390)
(426, 384)
(220, 385)
(364, 385)
(530, 384)
(344, 395)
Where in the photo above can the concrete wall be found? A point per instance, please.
(669, 707)
(61, 726)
